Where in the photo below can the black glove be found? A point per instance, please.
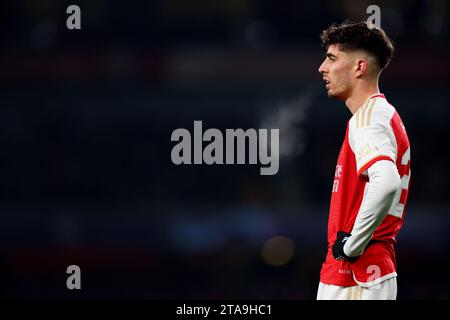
(338, 246)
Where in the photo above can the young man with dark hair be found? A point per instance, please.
(371, 181)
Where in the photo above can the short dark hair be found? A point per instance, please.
(351, 35)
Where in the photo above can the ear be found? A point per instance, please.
(361, 68)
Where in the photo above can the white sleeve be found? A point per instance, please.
(384, 181)
(371, 136)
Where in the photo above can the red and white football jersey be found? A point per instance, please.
(375, 132)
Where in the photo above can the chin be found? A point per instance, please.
(336, 95)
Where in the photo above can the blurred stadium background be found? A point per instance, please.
(85, 124)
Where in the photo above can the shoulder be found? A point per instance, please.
(383, 111)
(376, 112)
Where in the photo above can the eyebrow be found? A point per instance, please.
(330, 55)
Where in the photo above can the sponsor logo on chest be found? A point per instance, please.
(337, 176)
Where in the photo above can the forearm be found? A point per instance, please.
(384, 181)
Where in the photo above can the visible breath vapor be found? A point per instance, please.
(288, 116)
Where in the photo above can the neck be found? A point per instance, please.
(360, 95)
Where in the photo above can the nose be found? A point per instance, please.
(322, 67)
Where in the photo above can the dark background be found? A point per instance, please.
(86, 176)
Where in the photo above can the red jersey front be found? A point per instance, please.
(375, 132)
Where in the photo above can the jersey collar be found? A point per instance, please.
(377, 95)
